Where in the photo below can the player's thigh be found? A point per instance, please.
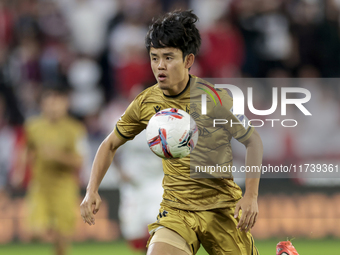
(179, 222)
(164, 249)
(166, 241)
(38, 216)
(64, 208)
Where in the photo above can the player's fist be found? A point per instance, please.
(90, 206)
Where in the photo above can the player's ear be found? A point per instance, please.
(189, 60)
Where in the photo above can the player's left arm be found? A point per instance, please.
(248, 204)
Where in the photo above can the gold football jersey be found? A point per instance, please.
(186, 184)
(66, 135)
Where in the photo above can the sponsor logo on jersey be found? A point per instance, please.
(157, 108)
(161, 215)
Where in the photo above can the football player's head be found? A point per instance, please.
(55, 102)
(175, 30)
(172, 42)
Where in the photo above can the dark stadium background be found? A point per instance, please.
(96, 47)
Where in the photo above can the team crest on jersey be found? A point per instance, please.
(157, 108)
(194, 114)
(241, 117)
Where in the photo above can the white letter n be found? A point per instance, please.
(238, 97)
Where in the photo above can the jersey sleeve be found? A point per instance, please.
(129, 125)
(241, 130)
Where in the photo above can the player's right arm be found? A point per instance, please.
(103, 159)
(127, 127)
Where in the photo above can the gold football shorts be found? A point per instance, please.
(214, 229)
(52, 208)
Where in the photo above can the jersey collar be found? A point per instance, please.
(182, 92)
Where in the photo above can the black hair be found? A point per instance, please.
(60, 90)
(175, 29)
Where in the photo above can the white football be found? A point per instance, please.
(172, 133)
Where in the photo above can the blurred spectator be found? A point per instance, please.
(322, 105)
(7, 142)
(55, 60)
(222, 49)
(128, 55)
(6, 21)
(83, 76)
(87, 20)
(25, 73)
(317, 35)
(51, 21)
(209, 12)
(26, 23)
(267, 31)
(11, 136)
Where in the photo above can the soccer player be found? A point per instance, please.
(54, 142)
(194, 211)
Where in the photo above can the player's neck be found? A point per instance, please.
(54, 119)
(178, 88)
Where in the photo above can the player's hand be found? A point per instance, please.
(16, 181)
(250, 210)
(90, 206)
(50, 153)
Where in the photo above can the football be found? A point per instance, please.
(172, 133)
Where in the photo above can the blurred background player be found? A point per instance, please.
(140, 190)
(54, 144)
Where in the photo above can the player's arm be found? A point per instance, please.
(103, 159)
(248, 203)
(69, 159)
(20, 167)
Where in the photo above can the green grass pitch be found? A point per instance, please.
(304, 247)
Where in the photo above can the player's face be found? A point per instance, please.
(54, 105)
(169, 69)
